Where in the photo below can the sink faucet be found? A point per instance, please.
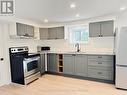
(77, 47)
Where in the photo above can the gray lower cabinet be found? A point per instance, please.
(75, 64)
(100, 73)
(81, 65)
(68, 64)
(42, 63)
(101, 29)
(101, 67)
(52, 62)
(91, 66)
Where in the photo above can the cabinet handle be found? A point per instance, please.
(99, 72)
(99, 56)
(73, 54)
(99, 62)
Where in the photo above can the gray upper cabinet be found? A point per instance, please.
(24, 30)
(81, 65)
(56, 33)
(101, 29)
(21, 29)
(60, 32)
(52, 63)
(43, 33)
(68, 64)
(30, 31)
(52, 33)
(107, 28)
(94, 29)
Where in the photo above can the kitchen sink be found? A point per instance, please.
(77, 52)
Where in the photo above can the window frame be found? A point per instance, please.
(70, 30)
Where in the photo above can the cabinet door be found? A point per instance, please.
(29, 31)
(94, 29)
(52, 33)
(68, 64)
(52, 63)
(107, 28)
(81, 65)
(43, 33)
(60, 33)
(42, 65)
(21, 29)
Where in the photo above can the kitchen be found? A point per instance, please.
(94, 62)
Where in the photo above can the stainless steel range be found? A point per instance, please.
(24, 66)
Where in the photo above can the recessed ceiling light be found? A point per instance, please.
(123, 8)
(77, 15)
(46, 20)
(72, 5)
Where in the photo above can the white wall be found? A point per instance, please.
(122, 20)
(95, 44)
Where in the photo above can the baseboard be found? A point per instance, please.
(81, 77)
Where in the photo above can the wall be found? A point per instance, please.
(95, 45)
(121, 20)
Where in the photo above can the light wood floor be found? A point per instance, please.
(58, 85)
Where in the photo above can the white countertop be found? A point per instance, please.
(88, 52)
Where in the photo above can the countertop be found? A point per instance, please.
(87, 53)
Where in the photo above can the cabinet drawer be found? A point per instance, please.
(100, 63)
(100, 74)
(100, 58)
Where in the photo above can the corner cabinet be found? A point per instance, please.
(101, 29)
(42, 64)
(24, 30)
(52, 33)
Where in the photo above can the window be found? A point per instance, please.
(78, 34)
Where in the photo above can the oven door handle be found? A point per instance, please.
(25, 66)
(31, 59)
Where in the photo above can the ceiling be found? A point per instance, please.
(60, 11)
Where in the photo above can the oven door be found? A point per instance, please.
(31, 66)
